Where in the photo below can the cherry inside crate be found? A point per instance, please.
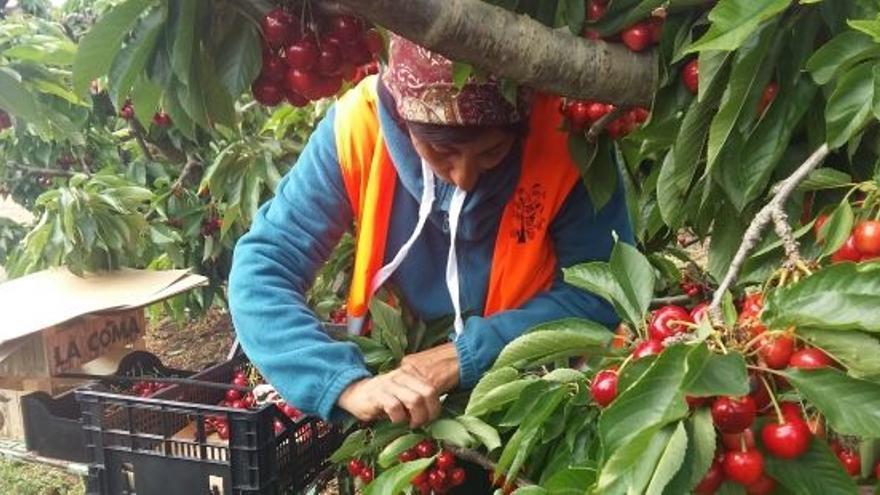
(165, 445)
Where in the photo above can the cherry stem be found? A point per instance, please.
(718, 340)
(765, 370)
(773, 400)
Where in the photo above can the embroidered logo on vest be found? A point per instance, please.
(529, 209)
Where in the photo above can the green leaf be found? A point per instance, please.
(733, 21)
(219, 105)
(145, 99)
(682, 162)
(859, 352)
(744, 77)
(184, 38)
(837, 228)
(575, 13)
(816, 471)
(498, 397)
(841, 52)
(597, 277)
(849, 107)
(825, 178)
(870, 27)
(634, 274)
(130, 62)
(629, 422)
(711, 374)
(701, 431)
(461, 72)
(388, 456)
(486, 434)
(450, 430)
(526, 402)
(491, 381)
(670, 462)
(352, 447)
(389, 324)
(850, 405)
(397, 479)
(239, 59)
(564, 375)
(534, 348)
(844, 296)
(17, 100)
(99, 45)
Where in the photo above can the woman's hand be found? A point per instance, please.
(438, 366)
(400, 395)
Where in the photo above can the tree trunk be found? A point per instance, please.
(518, 48)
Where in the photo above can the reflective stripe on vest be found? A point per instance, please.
(524, 259)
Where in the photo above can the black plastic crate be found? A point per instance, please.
(52, 424)
(160, 445)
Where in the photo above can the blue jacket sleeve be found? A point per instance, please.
(275, 264)
(580, 235)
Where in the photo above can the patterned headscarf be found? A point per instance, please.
(421, 84)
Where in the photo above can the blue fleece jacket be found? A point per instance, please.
(275, 263)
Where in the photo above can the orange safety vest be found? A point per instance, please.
(524, 260)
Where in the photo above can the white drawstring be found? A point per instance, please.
(452, 282)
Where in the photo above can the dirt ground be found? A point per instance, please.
(192, 345)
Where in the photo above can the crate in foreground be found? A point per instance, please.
(163, 444)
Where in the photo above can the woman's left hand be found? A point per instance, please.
(438, 366)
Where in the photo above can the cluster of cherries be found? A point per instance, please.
(210, 226)
(303, 62)
(443, 474)
(581, 114)
(160, 118)
(692, 288)
(690, 77)
(785, 436)
(863, 243)
(146, 389)
(637, 37)
(238, 400)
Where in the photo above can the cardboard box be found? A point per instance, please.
(54, 322)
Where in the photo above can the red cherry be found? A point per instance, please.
(5, 120)
(847, 252)
(877, 471)
(596, 110)
(329, 60)
(733, 415)
(810, 359)
(347, 28)
(274, 68)
(596, 10)
(302, 55)
(240, 381)
(763, 486)
(407, 456)
(690, 75)
(637, 37)
(367, 475)
(867, 238)
(127, 111)
(791, 410)
(445, 460)
(374, 41)
(357, 54)
(161, 119)
(817, 226)
(233, 395)
(223, 431)
(296, 99)
(328, 86)
(604, 387)
(776, 351)
(767, 96)
(421, 478)
(639, 114)
(278, 27)
(457, 476)
(787, 440)
(578, 116)
(699, 311)
(426, 448)
(266, 92)
(303, 83)
(758, 392)
(851, 461)
(290, 411)
(711, 481)
(647, 348)
(735, 441)
(743, 467)
(237, 404)
(355, 467)
(668, 321)
(438, 479)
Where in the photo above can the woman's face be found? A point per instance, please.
(463, 163)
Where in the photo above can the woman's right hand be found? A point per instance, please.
(399, 395)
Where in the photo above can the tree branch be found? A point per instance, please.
(772, 211)
(664, 301)
(188, 169)
(519, 48)
(482, 461)
(138, 130)
(42, 171)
